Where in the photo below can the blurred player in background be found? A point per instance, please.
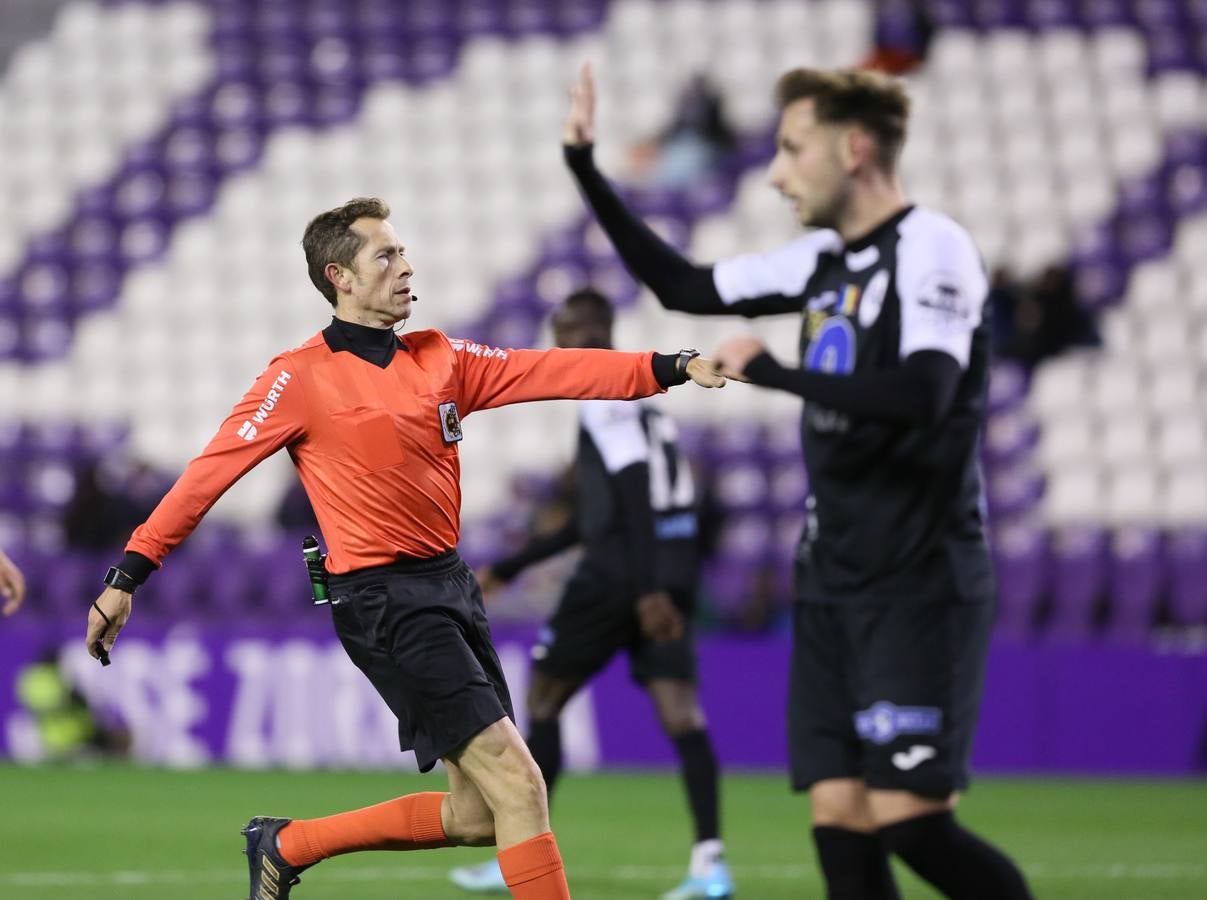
(895, 590)
(372, 421)
(12, 585)
(633, 590)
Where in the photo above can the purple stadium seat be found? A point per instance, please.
(1013, 489)
(1104, 13)
(1186, 558)
(1054, 14)
(1078, 570)
(1021, 560)
(1135, 575)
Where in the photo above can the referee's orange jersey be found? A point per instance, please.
(376, 447)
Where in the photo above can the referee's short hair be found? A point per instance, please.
(874, 101)
(594, 301)
(329, 238)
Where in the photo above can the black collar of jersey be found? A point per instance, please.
(871, 237)
(373, 345)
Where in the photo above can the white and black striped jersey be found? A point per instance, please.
(894, 503)
(636, 503)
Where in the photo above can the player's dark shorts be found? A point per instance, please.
(888, 693)
(595, 619)
(418, 631)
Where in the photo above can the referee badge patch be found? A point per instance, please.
(450, 422)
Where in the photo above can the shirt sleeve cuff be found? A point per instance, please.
(763, 369)
(579, 157)
(664, 370)
(137, 566)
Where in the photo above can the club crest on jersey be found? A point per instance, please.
(450, 422)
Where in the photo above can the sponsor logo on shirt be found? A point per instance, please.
(881, 722)
(248, 429)
(464, 346)
(943, 297)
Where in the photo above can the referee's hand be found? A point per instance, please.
(660, 618)
(705, 372)
(12, 585)
(580, 122)
(116, 605)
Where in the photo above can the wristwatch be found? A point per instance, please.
(115, 577)
(685, 356)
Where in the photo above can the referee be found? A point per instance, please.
(372, 420)
(895, 591)
(633, 590)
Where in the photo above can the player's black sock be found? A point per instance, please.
(955, 860)
(855, 865)
(545, 744)
(698, 765)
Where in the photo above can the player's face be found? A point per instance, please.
(381, 275)
(808, 167)
(573, 327)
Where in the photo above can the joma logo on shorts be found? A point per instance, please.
(248, 430)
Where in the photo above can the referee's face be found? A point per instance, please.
(808, 168)
(379, 282)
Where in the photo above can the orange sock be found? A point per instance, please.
(533, 869)
(405, 823)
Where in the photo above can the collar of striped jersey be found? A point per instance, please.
(870, 237)
(373, 345)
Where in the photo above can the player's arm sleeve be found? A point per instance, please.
(616, 431)
(942, 289)
(747, 286)
(539, 547)
(920, 392)
(490, 377)
(270, 416)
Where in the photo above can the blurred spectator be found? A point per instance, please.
(67, 728)
(295, 512)
(12, 585)
(903, 32)
(1040, 319)
(108, 504)
(695, 143)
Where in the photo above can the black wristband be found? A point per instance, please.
(116, 578)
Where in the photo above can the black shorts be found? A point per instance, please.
(888, 693)
(418, 631)
(594, 619)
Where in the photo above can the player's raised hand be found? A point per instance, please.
(12, 585)
(660, 618)
(580, 121)
(705, 372)
(106, 617)
(488, 581)
(735, 353)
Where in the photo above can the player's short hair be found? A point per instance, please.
(594, 302)
(874, 101)
(329, 238)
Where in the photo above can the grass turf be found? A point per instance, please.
(124, 833)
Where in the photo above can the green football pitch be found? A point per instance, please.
(123, 833)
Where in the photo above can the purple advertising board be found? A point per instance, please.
(250, 695)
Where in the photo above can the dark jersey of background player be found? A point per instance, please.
(634, 503)
(894, 359)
